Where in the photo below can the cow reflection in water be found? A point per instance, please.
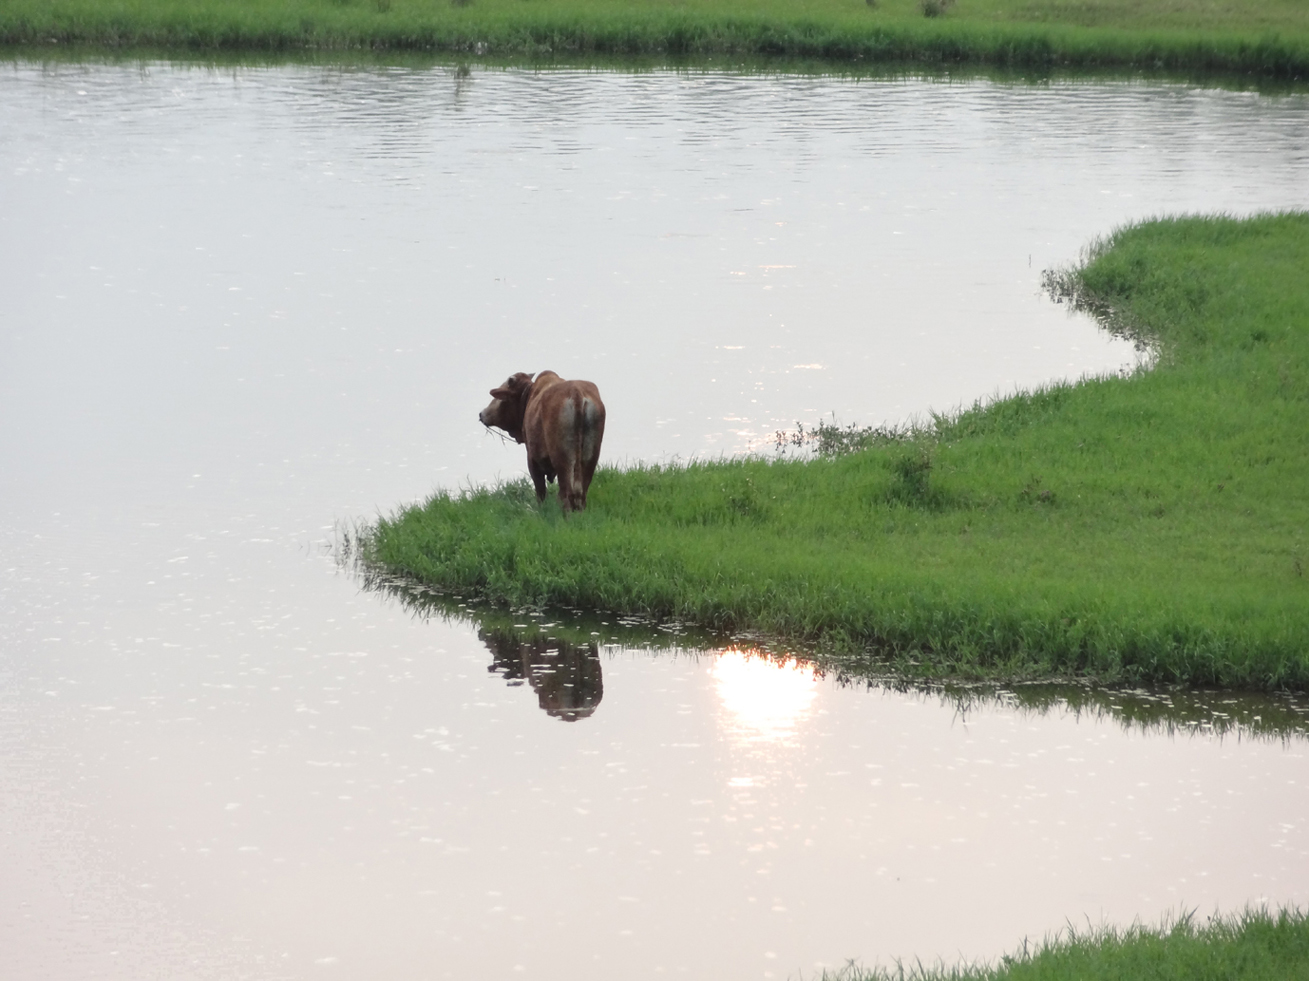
(566, 677)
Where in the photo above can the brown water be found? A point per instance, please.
(242, 306)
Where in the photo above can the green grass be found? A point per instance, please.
(1263, 38)
(1253, 946)
(1150, 529)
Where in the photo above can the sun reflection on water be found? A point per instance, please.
(765, 698)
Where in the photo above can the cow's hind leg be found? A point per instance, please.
(588, 471)
(577, 483)
(579, 475)
(568, 488)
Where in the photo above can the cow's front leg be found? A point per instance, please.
(538, 478)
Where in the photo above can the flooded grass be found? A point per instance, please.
(1266, 39)
(1135, 530)
(1255, 945)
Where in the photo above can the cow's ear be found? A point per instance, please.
(500, 393)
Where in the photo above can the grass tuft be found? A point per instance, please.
(1255, 945)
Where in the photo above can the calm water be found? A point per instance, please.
(242, 306)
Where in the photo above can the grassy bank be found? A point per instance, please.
(1254, 946)
(1264, 38)
(1150, 529)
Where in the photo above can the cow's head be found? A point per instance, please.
(508, 404)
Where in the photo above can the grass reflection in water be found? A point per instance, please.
(767, 690)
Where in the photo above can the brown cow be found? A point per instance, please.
(562, 423)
